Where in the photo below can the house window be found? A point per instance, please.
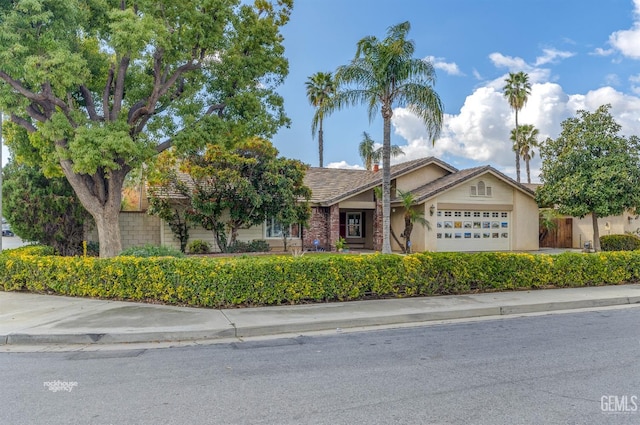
(481, 190)
(273, 229)
(354, 225)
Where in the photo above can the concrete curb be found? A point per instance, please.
(310, 325)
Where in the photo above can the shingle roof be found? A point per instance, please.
(331, 185)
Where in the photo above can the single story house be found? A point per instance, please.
(476, 209)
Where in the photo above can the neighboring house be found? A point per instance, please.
(476, 209)
(574, 232)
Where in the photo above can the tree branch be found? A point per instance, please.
(107, 91)
(23, 123)
(88, 100)
(118, 94)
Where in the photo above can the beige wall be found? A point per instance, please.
(244, 235)
(136, 229)
(525, 223)
(419, 177)
(613, 225)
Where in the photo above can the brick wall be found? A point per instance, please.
(318, 229)
(377, 226)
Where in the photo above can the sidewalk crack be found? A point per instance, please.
(235, 329)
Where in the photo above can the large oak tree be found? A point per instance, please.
(102, 85)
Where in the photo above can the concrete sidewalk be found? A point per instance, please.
(27, 319)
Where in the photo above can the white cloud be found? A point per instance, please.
(345, 165)
(599, 51)
(479, 133)
(477, 75)
(612, 79)
(509, 62)
(450, 68)
(628, 41)
(552, 55)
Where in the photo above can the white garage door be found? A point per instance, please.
(473, 230)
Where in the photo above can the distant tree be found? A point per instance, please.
(411, 216)
(237, 188)
(383, 75)
(165, 198)
(370, 155)
(590, 169)
(517, 91)
(320, 91)
(101, 86)
(528, 140)
(43, 210)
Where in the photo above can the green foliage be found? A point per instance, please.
(268, 280)
(619, 243)
(151, 251)
(590, 168)
(256, 245)
(199, 247)
(384, 75)
(42, 209)
(341, 244)
(102, 86)
(238, 188)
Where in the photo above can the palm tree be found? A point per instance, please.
(411, 216)
(517, 91)
(384, 75)
(370, 155)
(528, 140)
(320, 89)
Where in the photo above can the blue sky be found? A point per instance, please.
(579, 54)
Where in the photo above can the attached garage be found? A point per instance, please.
(466, 230)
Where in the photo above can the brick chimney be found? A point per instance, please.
(376, 168)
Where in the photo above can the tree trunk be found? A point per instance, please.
(528, 172)
(320, 144)
(408, 228)
(517, 149)
(596, 232)
(101, 195)
(386, 180)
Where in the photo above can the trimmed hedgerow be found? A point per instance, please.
(619, 242)
(224, 282)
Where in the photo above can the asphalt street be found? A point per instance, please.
(572, 368)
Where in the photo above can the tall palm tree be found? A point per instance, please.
(320, 90)
(370, 155)
(384, 75)
(411, 217)
(517, 90)
(528, 135)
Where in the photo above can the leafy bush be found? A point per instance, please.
(151, 251)
(259, 245)
(619, 243)
(199, 247)
(268, 280)
(30, 250)
(256, 245)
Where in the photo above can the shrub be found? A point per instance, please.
(30, 250)
(151, 251)
(269, 280)
(199, 247)
(256, 245)
(619, 243)
(259, 245)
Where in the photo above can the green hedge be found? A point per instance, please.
(619, 242)
(290, 280)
